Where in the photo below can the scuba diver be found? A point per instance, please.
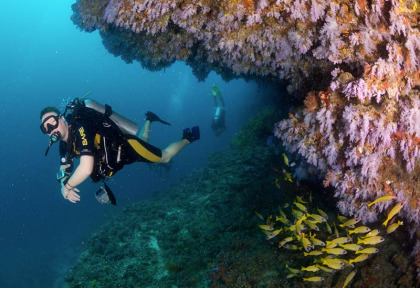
(104, 141)
(218, 123)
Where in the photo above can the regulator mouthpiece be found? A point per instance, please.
(53, 138)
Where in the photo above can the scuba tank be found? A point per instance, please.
(126, 125)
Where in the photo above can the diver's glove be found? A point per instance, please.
(191, 135)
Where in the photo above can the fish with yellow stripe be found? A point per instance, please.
(313, 279)
(393, 212)
(272, 234)
(383, 199)
(371, 240)
(349, 278)
(369, 250)
(312, 268)
(360, 258)
(266, 227)
(359, 230)
(391, 228)
(351, 222)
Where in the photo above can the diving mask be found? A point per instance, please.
(49, 127)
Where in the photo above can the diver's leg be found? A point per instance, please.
(143, 134)
(172, 150)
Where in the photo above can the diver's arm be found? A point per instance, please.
(81, 173)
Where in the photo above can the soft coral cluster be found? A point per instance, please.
(280, 38)
(371, 147)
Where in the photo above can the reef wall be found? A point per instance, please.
(356, 64)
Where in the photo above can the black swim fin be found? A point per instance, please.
(152, 117)
(191, 135)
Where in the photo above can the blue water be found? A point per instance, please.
(46, 60)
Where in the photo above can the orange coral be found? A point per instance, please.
(311, 103)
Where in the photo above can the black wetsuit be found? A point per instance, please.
(109, 146)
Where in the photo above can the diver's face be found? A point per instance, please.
(51, 123)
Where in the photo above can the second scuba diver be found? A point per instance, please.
(218, 122)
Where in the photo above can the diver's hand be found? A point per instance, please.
(70, 194)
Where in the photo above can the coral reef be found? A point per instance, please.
(356, 63)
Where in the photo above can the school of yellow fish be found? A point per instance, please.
(326, 240)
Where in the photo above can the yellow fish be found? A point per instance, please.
(393, 212)
(300, 206)
(282, 213)
(350, 222)
(307, 245)
(311, 268)
(369, 250)
(316, 241)
(311, 224)
(273, 234)
(285, 159)
(374, 232)
(288, 177)
(331, 245)
(285, 241)
(391, 228)
(359, 230)
(322, 213)
(371, 240)
(299, 225)
(300, 200)
(293, 270)
(334, 251)
(283, 220)
(313, 253)
(292, 247)
(340, 240)
(297, 213)
(351, 247)
(313, 279)
(336, 231)
(291, 228)
(259, 215)
(360, 258)
(383, 199)
(342, 218)
(317, 217)
(291, 275)
(337, 265)
(266, 227)
(349, 278)
(328, 228)
(323, 268)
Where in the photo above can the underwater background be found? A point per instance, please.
(203, 220)
(46, 60)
